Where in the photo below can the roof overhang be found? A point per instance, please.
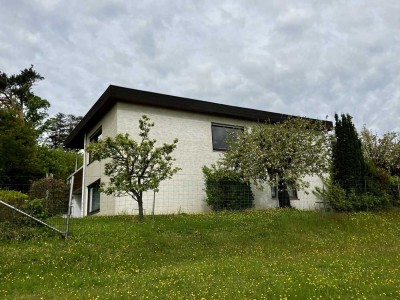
(114, 94)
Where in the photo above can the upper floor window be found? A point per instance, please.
(221, 134)
(94, 138)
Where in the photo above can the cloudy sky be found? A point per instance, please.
(308, 58)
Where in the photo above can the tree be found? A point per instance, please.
(16, 95)
(18, 152)
(58, 128)
(59, 162)
(280, 154)
(135, 167)
(348, 167)
(383, 152)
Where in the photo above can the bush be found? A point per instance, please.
(341, 200)
(54, 193)
(226, 191)
(16, 199)
(20, 201)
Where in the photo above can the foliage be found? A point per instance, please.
(18, 152)
(16, 95)
(261, 254)
(19, 200)
(225, 190)
(135, 167)
(383, 151)
(58, 129)
(14, 198)
(54, 193)
(343, 200)
(59, 162)
(348, 165)
(283, 152)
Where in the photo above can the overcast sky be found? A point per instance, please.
(308, 58)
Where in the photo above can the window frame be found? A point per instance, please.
(94, 138)
(91, 187)
(221, 125)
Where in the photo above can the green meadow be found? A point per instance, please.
(270, 254)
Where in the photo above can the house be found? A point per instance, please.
(200, 127)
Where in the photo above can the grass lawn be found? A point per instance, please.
(271, 254)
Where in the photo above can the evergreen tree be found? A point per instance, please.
(348, 165)
(58, 128)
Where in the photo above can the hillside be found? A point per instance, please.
(252, 255)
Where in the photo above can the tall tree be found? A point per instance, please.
(16, 96)
(280, 154)
(135, 167)
(58, 128)
(18, 152)
(348, 167)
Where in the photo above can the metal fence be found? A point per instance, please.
(50, 203)
(39, 207)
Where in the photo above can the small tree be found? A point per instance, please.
(280, 154)
(135, 167)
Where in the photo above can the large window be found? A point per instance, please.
(94, 197)
(94, 138)
(221, 134)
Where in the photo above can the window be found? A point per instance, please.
(221, 134)
(94, 197)
(292, 192)
(94, 138)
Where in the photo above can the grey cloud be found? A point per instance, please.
(307, 58)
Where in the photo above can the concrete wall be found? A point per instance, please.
(185, 191)
(95, 170)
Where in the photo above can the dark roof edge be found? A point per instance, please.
(114, 94)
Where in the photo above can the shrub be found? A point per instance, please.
(20, 201)
(16, 199)
(225, 190)
(54, 193)
(341, 200)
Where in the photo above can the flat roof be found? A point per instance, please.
(114, 94)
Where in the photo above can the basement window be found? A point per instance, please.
(221, 134)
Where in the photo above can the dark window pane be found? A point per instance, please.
(95, 137)
(221, 134)
(94, 197)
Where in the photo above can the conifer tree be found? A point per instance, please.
(348, 165)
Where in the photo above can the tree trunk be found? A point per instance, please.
(140, 204)
(283, 194)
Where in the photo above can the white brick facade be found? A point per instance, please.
(184, 192)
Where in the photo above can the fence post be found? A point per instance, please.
(154, 200)
(71, 189)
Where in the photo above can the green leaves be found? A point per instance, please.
(287, 151)
(383, 151)
(134, 167)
